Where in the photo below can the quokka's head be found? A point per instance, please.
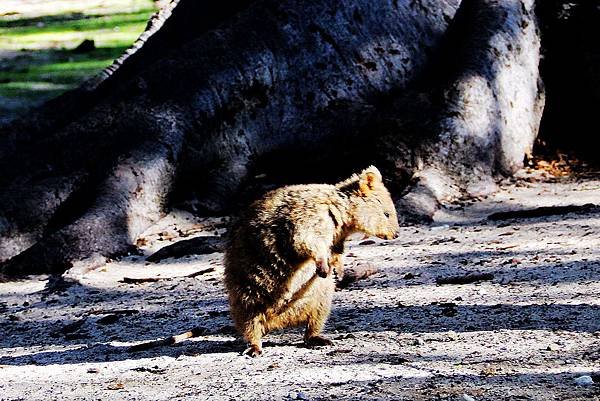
(372, 209)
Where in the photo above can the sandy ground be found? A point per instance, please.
(525, 335)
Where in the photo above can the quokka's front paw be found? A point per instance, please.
(323, 268)
(317, 341)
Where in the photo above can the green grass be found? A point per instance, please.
(59, 70)
(112, 30)
(36, 43)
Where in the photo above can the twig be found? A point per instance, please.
(466, 279)
(113, 312)
(195, 332)
(134, 280)
(199, 273)
(490, 360)
(138, 280)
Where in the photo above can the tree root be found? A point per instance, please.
(193, 246)
(544, 211)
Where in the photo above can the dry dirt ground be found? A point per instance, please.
(527, 334)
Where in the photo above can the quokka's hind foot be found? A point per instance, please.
(253, 331)
(253, 351)
(317, 341)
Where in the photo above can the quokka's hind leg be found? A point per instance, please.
(317, 315)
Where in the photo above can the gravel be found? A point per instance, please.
(532, 332)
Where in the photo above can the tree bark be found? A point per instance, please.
(485, 107)
(442, 95)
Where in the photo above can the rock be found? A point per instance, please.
(72, 327)
(452, 336)
(584, 380)
(301, 396)
(356, 272)
(466, 397)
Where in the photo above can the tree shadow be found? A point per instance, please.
(526, 386)
(442, 317)
(155, 311)
(102, 352)
(508, 268)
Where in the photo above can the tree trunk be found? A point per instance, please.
(571, 70)
(442, 95)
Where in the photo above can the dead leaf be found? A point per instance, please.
(115, 386)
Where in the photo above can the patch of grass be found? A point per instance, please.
(55, 66)
(31, 90)
(37, 38)
(112, 30)
(13, 10)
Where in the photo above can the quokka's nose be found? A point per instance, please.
(396, 235)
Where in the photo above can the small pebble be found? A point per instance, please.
(297, 395)
(584, 380)
(452, 336)
(467, 397)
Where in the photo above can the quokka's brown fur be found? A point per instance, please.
(282, 250)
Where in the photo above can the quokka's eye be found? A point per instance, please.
(386, 214)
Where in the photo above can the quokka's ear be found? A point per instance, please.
(368, 179)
